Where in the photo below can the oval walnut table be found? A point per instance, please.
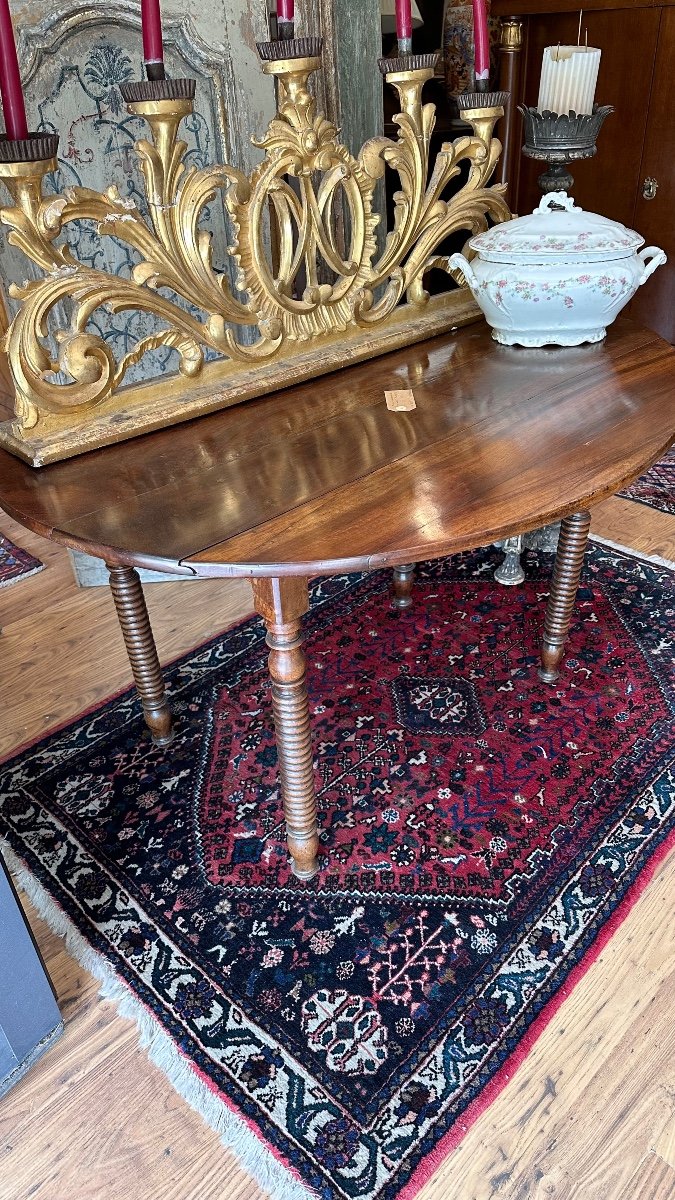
(324, 478)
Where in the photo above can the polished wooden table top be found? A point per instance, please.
(324, 477)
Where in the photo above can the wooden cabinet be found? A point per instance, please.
(637, 141)
(654, 306)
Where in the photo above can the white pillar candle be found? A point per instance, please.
(569, 75)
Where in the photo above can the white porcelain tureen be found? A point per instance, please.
(558, 277)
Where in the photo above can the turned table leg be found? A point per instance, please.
(568, 563)
(132, 613)
(282, 604)
(403, 578)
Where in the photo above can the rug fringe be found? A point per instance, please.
(23, 575)
(251, 1152)
(652, 558)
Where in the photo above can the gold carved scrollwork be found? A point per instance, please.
(315, 288)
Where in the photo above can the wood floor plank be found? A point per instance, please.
(653, 1180)
(49, 620)
(627, 523)
(96, 1120)
(665, 1143)
(633, 1108)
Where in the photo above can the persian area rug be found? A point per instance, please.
(656, 487)
(16, 563)
(482, 834)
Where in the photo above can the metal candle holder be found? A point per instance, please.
(559, 139)
(470, 101)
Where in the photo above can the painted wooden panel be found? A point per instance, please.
(72, 65)
(351, 90)
(73, 60)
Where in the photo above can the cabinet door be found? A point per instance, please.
(29, 1018)
(628, 38)
(654, 304)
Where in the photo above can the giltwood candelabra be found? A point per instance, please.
(314, 302)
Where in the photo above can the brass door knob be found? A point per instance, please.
(649, 188)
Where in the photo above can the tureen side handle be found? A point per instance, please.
(652, 257)
(460, 263)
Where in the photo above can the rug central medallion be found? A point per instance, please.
(443, 764)
(437, 706)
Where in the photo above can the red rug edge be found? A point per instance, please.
(492, 1090)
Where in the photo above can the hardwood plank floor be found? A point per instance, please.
(589, 1115)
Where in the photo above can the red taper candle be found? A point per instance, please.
(481, 43)
(10, 79)
(151, 22)
(404, 25)
(286, 18)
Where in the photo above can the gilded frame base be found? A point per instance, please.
(160, 403)
(307, 326)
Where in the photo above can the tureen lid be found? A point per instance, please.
(557, 231)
